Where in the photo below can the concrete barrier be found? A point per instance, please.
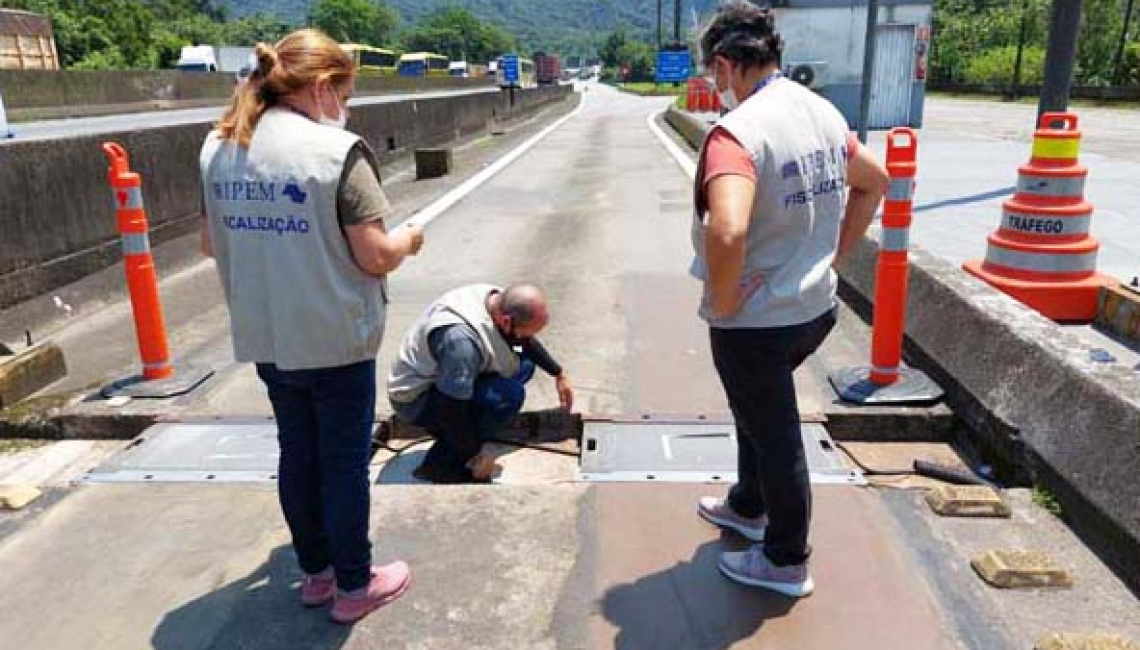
(57, 214)
(1029, 391)
(55, 94)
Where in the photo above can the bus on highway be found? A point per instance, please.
(371, 60)
(515, 72)
(423, 64)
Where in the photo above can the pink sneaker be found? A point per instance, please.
(754, 569)
(718, 512)
(319, 588)
(388, 583)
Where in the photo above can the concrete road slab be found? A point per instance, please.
(660, 588)
(170, 567)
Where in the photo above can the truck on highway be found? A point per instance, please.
(549, 69)
(216, 58)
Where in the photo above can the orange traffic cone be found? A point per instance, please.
(1043, 254)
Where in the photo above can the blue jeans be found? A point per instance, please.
(495, 402)
(324, 423)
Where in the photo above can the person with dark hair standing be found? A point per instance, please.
(462, 371)
(294, 216)
(772, 216)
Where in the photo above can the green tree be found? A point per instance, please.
(459, 34)
(611, 47)
(638, 58)
(355, 21)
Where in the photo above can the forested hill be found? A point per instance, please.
(552, 24)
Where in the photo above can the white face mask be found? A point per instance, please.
(728, 98)
(338, 122)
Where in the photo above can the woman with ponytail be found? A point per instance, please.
(294, 216)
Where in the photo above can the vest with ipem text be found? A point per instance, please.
(415, 370)
(798, 145)
(296, 296)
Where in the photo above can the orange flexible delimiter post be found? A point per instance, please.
(138, 263)
(893, 266)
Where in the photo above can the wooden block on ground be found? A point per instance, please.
(30, 371)
(1084, 642)
(1118, 310)
(15, 497)
(967, 501)
(1020, 569)
(432, 163)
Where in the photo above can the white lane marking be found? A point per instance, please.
(683, 159)
(441, 205)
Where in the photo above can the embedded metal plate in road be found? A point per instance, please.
(180, 453)
(672, 452)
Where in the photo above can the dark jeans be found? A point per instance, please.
(497, 400)
(324, 423)
(755, 367)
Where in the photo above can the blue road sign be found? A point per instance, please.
(673, 66)
(510, 66)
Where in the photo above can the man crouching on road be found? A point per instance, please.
(461, 374)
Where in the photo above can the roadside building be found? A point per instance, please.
(26, 41)
(824, 50)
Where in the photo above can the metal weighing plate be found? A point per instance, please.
(691, 453)
(215, 452)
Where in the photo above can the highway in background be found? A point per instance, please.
(77, 127)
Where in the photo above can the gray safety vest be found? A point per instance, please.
(798, 144)
(415, 370)
(296, 296)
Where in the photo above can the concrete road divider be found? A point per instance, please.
(28, 372)
(59, 226)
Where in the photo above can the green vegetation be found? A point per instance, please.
(1048, 501)
(457, 33)
(355, 21)
(124, 34)
(975, 41)
(132, 35)
(650, 89)
(15, 445)
(568, 27)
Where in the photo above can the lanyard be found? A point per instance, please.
(767, 80)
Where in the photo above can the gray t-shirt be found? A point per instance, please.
(359, 198)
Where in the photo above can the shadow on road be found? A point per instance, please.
(964, 200)
(258, 612)
(690, 605)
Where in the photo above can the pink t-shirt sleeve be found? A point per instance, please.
(724, 155)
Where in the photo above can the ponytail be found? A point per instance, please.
(296, 61)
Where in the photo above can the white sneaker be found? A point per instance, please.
(717, 511)
(754, 569)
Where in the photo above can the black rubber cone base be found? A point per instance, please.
(185, 379)
(913, 388)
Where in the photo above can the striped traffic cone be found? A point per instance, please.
(1042, 253)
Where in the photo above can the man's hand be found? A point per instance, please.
(483, 466)
(565, 392)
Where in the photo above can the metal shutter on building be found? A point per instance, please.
(893, 81)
